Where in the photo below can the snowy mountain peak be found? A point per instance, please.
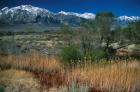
(84, 15)
(88, 15)
(5, 8)
(29, 8)
(129, 18)
(64, 13)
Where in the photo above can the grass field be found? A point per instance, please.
(50, 74)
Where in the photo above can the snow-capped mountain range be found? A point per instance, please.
(30, 14)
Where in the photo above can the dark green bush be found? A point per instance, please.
(1, 89)
(97, 54)
(70, 55)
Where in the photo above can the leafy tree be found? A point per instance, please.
(132, 32)
(104, 21)
(135, 31)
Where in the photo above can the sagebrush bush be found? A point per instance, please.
(96, 54)
(70, 55)
(1, 89)
(99, 54)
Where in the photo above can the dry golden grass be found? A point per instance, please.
(16, 74)
(117, 77)
(34, 62)
(18, 80)
(122, 76)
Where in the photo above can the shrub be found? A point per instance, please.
(1, 89)
(70, 55)
(97, 54)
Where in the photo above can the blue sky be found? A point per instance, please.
(118, 7)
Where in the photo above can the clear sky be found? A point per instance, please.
(118, 7)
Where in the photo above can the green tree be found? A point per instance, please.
(135, 32)
(132, 32)
(104, 21)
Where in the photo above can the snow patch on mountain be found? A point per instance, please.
(88, 15)
(129, 18)
(84, 15)
(5, 8)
